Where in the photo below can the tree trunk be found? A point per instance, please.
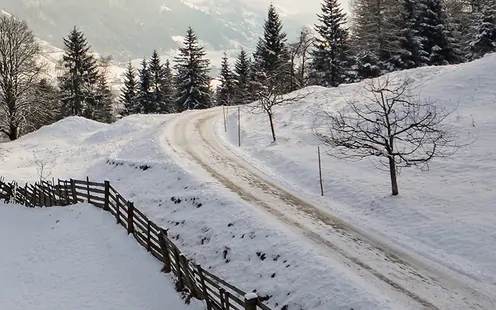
(392, 172)
(272, 126)
(12, 132)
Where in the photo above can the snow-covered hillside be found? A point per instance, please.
(446, 215)
(211, 225)
(77, 258)
(431, 247)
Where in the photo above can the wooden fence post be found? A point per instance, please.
(148, 237)
(180, 280)
(251, 300)
(118, 208)
(164, 246)
(204, 286)
(222, 294)
(130, 215)
(74, 193)
(107, 196)
(228, 305)
(26, 195)
(187, 277)
(88, 188)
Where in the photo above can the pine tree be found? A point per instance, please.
(225, 91)
(411, 53)
(103, 101)
(272, 55)
(168, 90)
(46, 109)
(331, 63)
(80, 77)
(484, 37)
(156, 70)
(242, 78)
(145, 95)
(192, 80)
(129, 93)
(434, 34)
(374, 32)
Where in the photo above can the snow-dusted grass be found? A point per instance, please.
(446, 214)
(211, 226)
(77, 258)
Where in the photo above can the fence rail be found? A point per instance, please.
(190, 278)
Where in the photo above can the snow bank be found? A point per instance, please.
(446, 214)
(77, 258)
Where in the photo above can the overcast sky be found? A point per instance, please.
(301, 6)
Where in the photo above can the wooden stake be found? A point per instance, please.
(225, 120)
(106, 204)
(320, 173)
(239, 126)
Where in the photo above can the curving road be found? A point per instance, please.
(419, 284)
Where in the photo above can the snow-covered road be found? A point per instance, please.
(414, 280)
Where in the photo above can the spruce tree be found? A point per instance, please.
(192, 80)
(242, 78)
(331, 59)
(80, 76)
(434, 34)
(374, 34)
(156, 71)
(225, 91)
(272, 55)
(103, 101)
(129, 93)
(168, 90)
(484, 37)
(411, 53)
(145, 95)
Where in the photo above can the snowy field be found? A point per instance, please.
(218, 230)
(77, 258)
(446, 215)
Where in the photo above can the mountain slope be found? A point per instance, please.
(129, 29)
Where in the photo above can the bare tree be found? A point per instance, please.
(19, 74)
(393, 124)
(43, 166)
(298, 53)
(271, 95)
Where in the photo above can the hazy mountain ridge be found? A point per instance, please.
(130, 29)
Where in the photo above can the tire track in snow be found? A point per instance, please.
(192, 135)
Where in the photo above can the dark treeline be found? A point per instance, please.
(379, 36)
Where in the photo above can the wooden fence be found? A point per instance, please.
(190, 278)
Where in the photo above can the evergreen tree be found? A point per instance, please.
(129, 93)
(225, 91)
(192, 80)
(374, 32)
(156, 71)
(434, 34)
(272, 55)
(103, 101)
(80, 76)
(242, 78)
(168, 90)
(411, 54)
(331, 63)
(484, 37)
(145, 95)
(46, 111)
